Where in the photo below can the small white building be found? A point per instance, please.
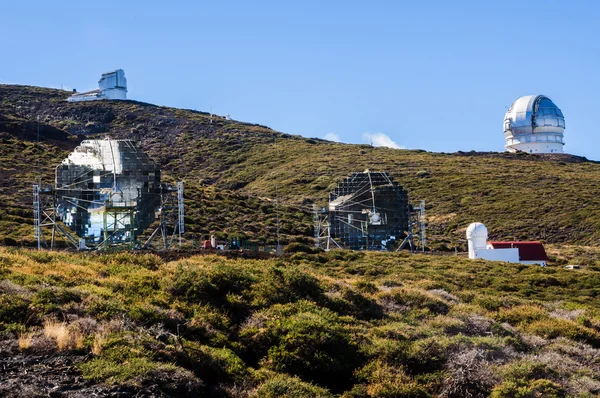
(510, 252)
(111, 86)
(534, 124)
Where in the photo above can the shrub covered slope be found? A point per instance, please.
(308, 325)
(231, 170)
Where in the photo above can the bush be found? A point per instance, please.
(427, 355)
(286, 285)
(366, 287)
(101, 308)
(125, 359)
(527, 370)
(488, 303)
(297, 247)
(8, 241)
(283, 386)
(305, 340)
(385, 381)
(404, 299)
(209, 325)
(220, 364)
(528, 389)
(347, 301)
(522, 314)
(217, 284)
(49, 300)
(13, 308)
(553, 328)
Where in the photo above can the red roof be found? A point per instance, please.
(528, 251)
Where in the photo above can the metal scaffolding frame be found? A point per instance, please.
(171, 215)
(417, 222)
(322, 229)
(45, 216)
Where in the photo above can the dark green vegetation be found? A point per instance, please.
(231, 170)
(343, 323)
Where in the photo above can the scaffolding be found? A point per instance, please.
(45, 217)
(416, 223)
(171, 218)
(322, 229)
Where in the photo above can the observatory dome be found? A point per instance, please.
(477, 229)
(534, 124)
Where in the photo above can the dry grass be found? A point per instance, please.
(25, 340)
(66, 337)
(99, 340)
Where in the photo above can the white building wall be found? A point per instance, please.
(535, 144)
(508, 255)
(540, 262)
(476, 244)
(82, 98)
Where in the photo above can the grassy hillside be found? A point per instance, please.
(308, 325)
(236, 166)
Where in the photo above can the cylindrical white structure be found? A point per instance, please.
(534, 124)
(477, 235)
(213, 242)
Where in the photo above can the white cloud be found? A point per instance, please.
(332, 137)
(380, 139)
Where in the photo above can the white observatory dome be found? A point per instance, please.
(534, 124)
(477, 235)
(477, 229)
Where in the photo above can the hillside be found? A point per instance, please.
(349, 324)
(231, 170)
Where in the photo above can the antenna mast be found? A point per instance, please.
(277, 216)
(37, 160)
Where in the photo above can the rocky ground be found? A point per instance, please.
(52, 374)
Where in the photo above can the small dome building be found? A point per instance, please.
(510, 252)
(534, 124)
(477, 235)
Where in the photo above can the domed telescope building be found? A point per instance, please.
(534, 124)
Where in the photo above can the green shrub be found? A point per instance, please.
(125, 262)
(48, 300)
(403, 299)
(553, 328)
(209, 325)
(528, 389)
(220, 364)
(146, 314)
(385, 381)
(216, 284)
(297, 247)
(283, 386)
(390, 350)
(487, 302)
(366, 287)
(427, 355)
(522, 314)
(103, 309)
(527, 370)
(305, 340)
(347, 301)
(286, 285)
(13, 308)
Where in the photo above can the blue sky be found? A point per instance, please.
(435, 75)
